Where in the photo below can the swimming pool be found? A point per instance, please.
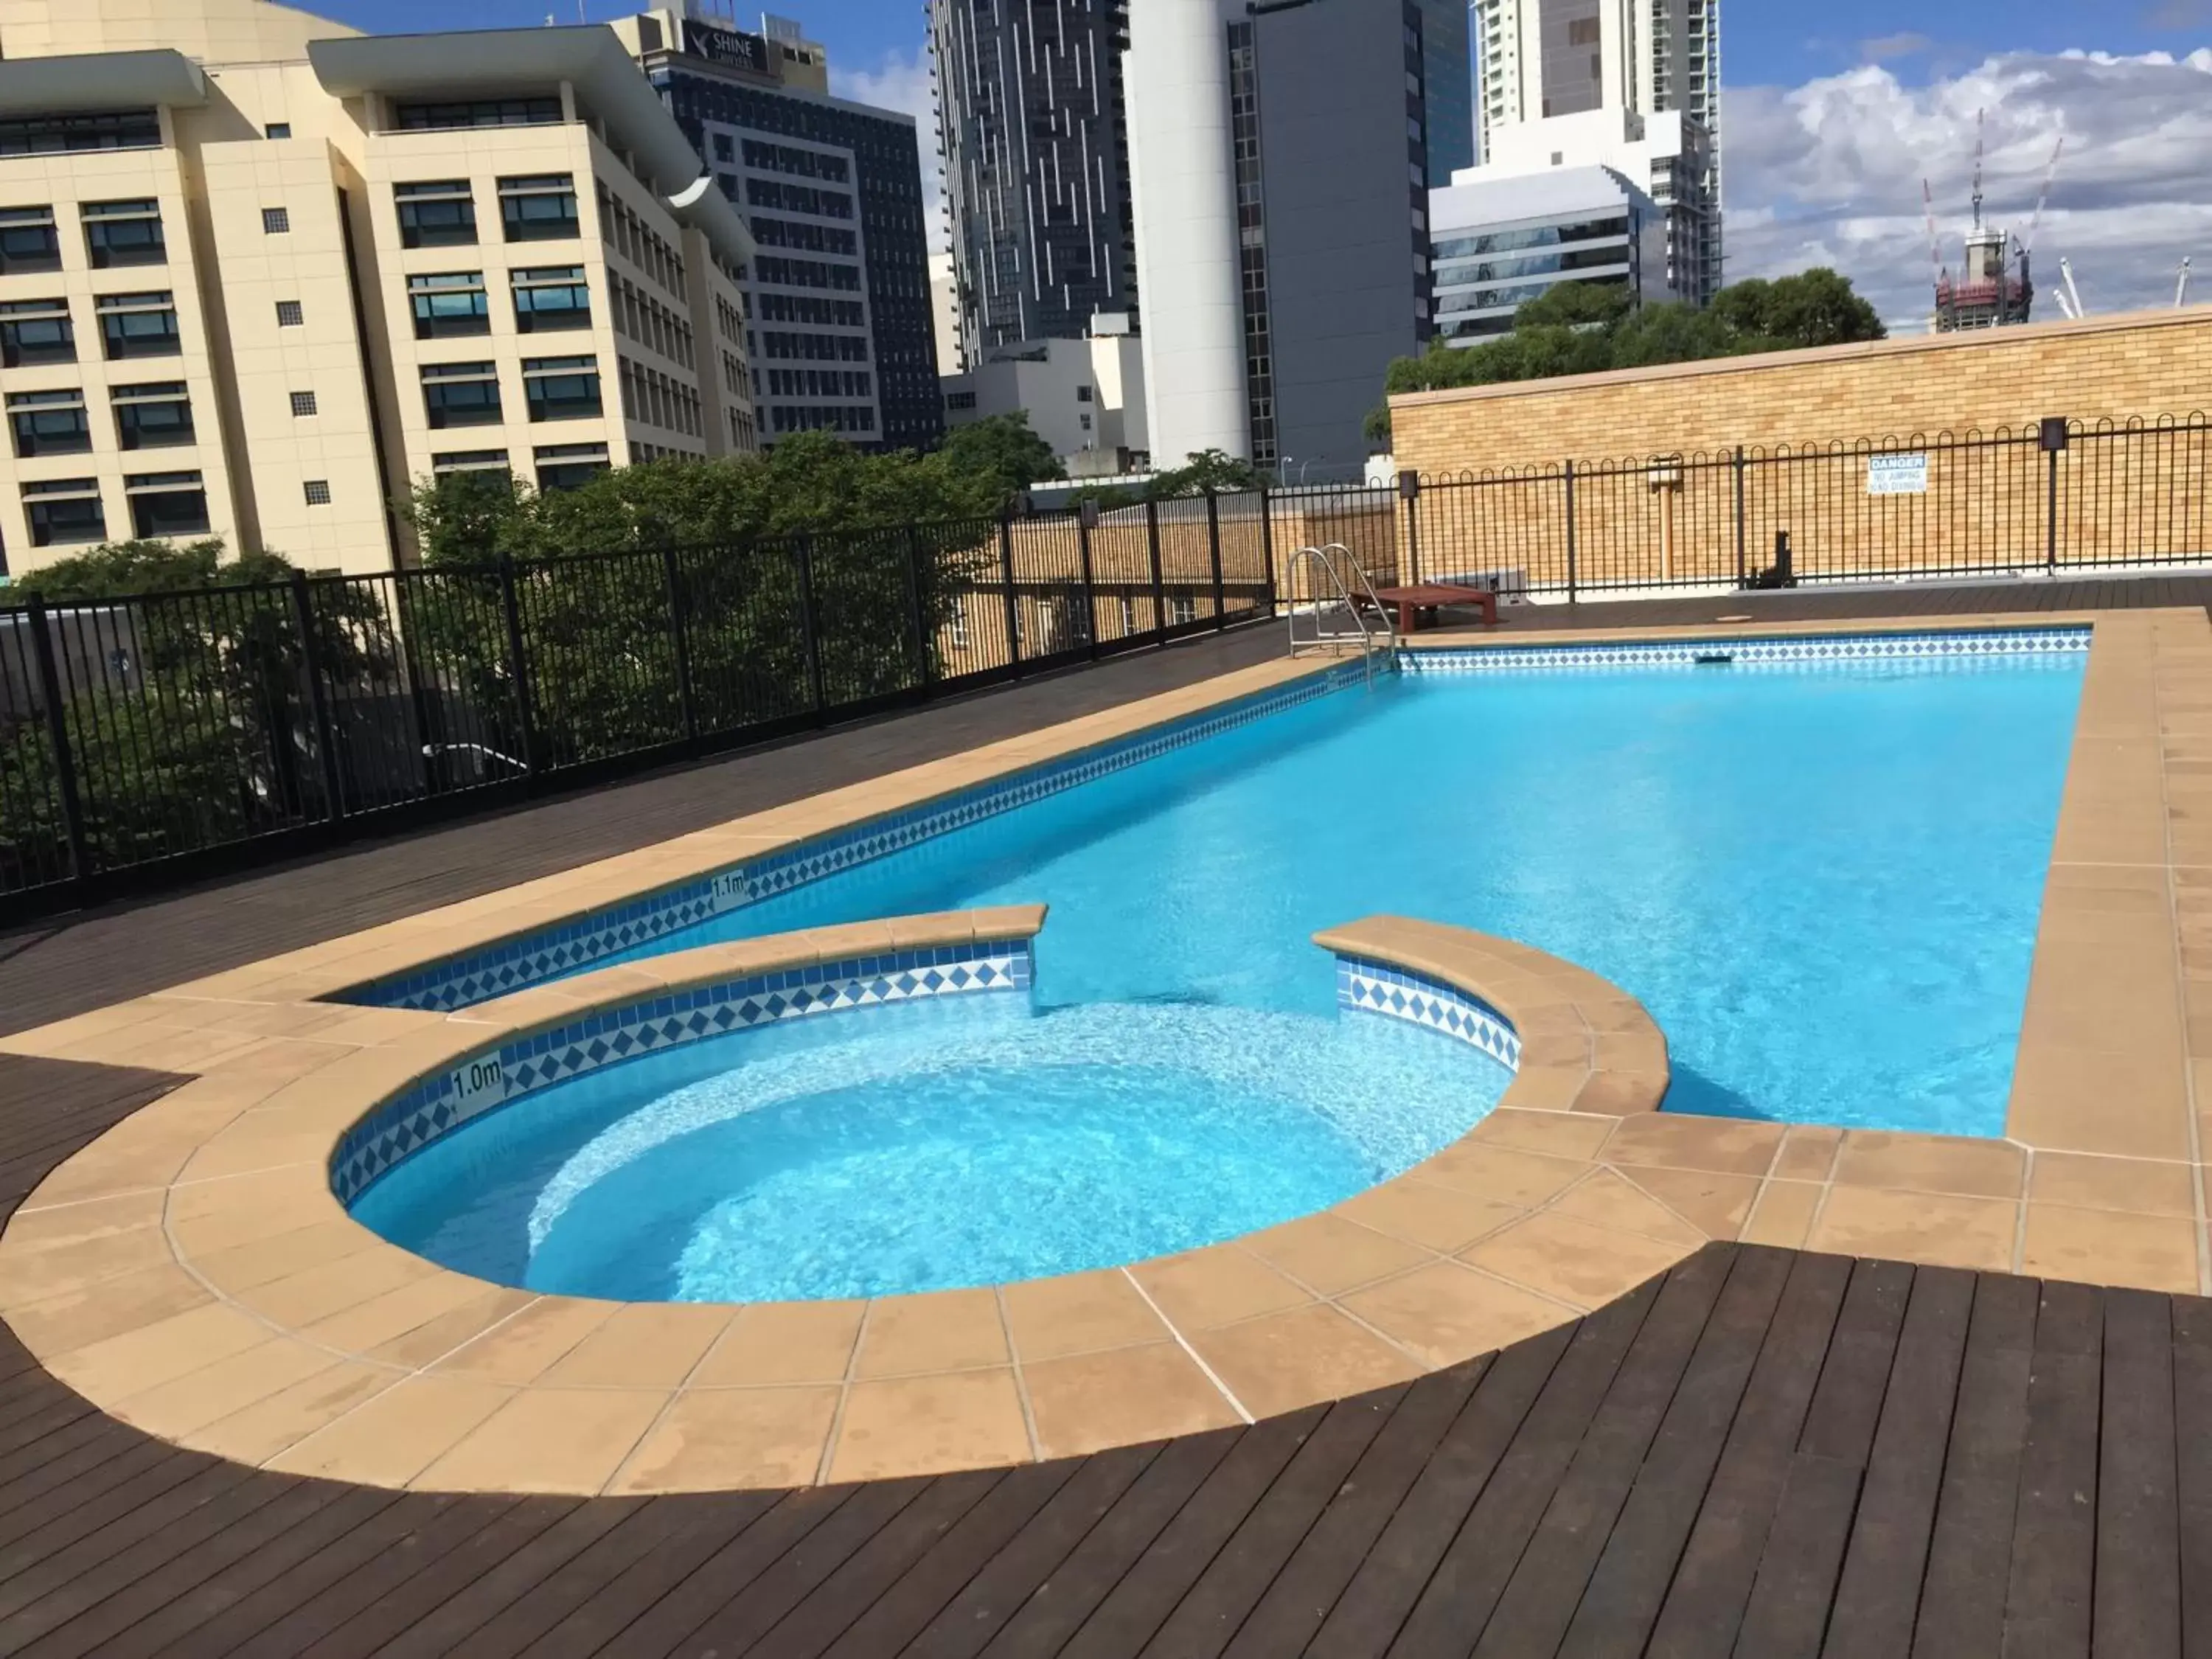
(1821, 878)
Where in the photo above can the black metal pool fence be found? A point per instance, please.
(145, 740)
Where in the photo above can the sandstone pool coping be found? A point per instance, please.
(191, 1272)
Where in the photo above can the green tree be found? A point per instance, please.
(116, 570)
(1582, 328)
(1003, 448)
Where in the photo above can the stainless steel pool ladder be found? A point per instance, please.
(1342, 606)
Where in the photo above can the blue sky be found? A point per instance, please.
(1763, 41)
(1832, 116)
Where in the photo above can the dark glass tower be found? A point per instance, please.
(1030, 119)
(838, 294)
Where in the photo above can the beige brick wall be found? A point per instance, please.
(2141, 364)
(1986, 507)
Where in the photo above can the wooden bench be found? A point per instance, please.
(1428, 596)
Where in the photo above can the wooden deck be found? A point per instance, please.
(1761, 1454)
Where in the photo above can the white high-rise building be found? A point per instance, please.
(1631, 84)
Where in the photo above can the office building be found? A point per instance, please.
(259, 275)
(945, 313)
(1613, 83)
(1084, 397)
(1499, 243)
(1030, 127)
(1281, 160)
(838, 299)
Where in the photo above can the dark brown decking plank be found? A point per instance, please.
(1246, 1565)
(754, 1584)
(1373, 1606)
(443, 1627)
(1963, 1595)
(804, 1602)
(192, 1604)
(2047, 1602)
(2191, 1319)
(292, 1504)
(1877, 1599)
(732, 1547)
(1463, 1591)
(903, 1609)
(1622, 1599)
(2137, 1593)
(656, 1530)
(356, 1614)
(55, 1550)
(1795, 1583)
(1049, 1615)
(1141, 1599)
(1540, 1600)
(430, 1524)
(1704, 1605)
(1292, 1610)
(999, 1590)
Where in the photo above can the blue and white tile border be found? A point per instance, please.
(500, 1075)
(462, 981)
(1368, 986)
(1795, 651)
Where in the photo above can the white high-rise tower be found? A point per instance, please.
(1619, 65)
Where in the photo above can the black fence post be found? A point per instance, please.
(1013, 604)
(2052, 435)
(679, 635)
(311, 664)
(807, 627)
(1267, 546)
(1159, 582)
(1409, 491)
(1086, 520)
(1214, 542)
(1737, 469)
(518, 663)
(1570, 533)
(50, 693)
(927, 657)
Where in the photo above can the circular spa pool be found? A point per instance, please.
(929, 1146)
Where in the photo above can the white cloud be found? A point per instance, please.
(902, 81)
(1829, 172)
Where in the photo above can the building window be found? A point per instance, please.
(448, 305)
(166, 504)
(1182, 608)
(550, 297)
(278, 130)
(540, 208)
(36, 332)
(461, 394)
(563, 466)
(28, 241)
(561, 388)
(318, 491)
(53, 135)
(124, 233)
(960, 622)
(442, 214)
(64, 510)
(1083, 394)
(1128, 616)
(275, 221)
(469, 460)
(960, 400)
(49, 423)
(156, 415)
(289, 314)
(138, 325)
(479, 112)
(303, 402)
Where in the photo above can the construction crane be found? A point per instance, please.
(1992, 290)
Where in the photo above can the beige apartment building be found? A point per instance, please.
(260, 274)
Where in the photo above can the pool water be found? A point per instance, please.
(931, 1145)
(1823, 882)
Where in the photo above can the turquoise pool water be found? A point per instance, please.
(1822, 882)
